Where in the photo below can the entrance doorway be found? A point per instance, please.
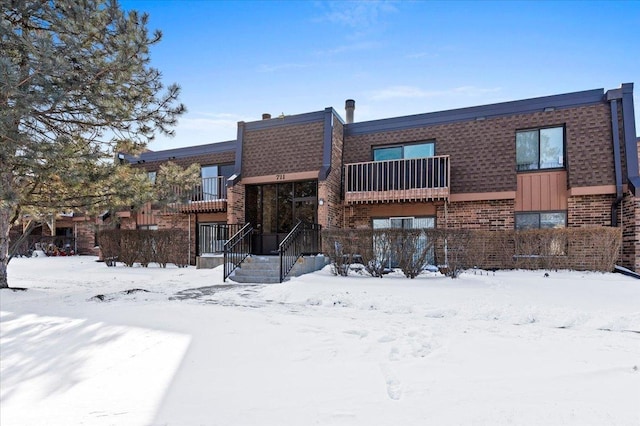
(274, 209)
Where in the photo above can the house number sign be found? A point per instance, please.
(280, 177)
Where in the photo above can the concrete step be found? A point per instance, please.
(266, 269)
(255, 279)
(258, 269)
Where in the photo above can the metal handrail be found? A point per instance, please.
(237, 249)
(304, 238)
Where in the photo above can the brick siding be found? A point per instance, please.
(330, 215)
(589, 210)
(630, 222)
(490, 215)
(282, 149)
(483, 153)
(85, 232)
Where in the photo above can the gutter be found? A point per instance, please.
(327, 140)
(237, 169)
(616, 161)
(625, 95)
(630, 142)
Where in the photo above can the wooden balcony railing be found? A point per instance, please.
(415, 179)
(209, 195)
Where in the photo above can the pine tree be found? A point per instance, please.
(76, 86)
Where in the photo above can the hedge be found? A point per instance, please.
(593, 248)
(162, 246)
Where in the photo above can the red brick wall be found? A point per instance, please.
(330, 215)
(235, 204)
(491, 215)
(282, 149)
(630, 222)
(85, 236)
(483, 154)
(589, 210)
(359, 216)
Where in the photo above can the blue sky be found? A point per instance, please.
(237, 60)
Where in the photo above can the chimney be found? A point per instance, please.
(350, 106)
(266, 116)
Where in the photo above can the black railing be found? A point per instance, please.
(303, 239)
(237, 249)
(208, 189)
(213, 236)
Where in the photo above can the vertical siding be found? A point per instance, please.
(541, 191)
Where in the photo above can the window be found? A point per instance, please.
(148, 227)
(152, 177)
(209, 175)
(541, 220)
(214, 181)
(540, 149)
(399, 152)
(404, 223)
(407, 223)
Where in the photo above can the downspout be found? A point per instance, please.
(616, 161)
(625, 95)
(237, 169)
(327, 142)
(630, 141)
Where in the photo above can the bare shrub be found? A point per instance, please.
(375, 250)
(146, 252)
(145, 246)
(130, 246)
(595, 249)
(109, 242)
(455, 250)
(458, 250)
(412, 250)
(339, 245)
(179, 242)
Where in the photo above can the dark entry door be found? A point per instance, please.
(274, 209)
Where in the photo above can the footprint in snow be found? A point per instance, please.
(394, 354)
(386, 339)
(360, 333)
(394, 387)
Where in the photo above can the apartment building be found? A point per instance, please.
(567, 160)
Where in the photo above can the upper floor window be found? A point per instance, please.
(152, 177)
(540, 149)
(213, 181)
(400, 152)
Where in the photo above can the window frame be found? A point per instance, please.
(402, 146)
(148, 227)
(404, 220)
(539, 213)
(539, 162)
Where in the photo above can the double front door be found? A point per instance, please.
(274, 209)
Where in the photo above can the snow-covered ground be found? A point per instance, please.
(510, 348)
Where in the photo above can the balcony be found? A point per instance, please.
(210, 195)
(416, 179)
